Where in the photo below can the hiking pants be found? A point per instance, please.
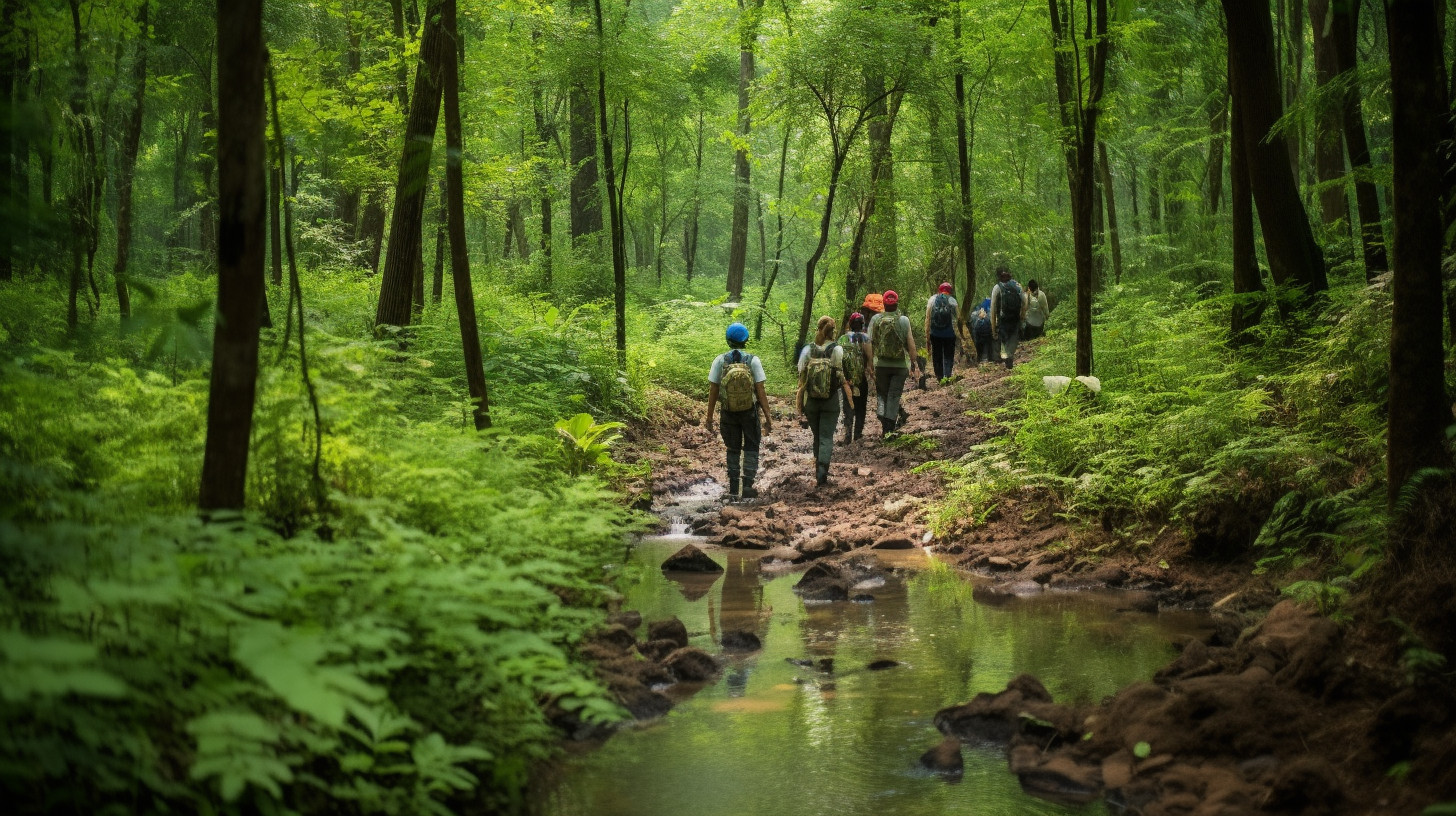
(1010, 335)
(854, 420)
(823, 415)
(889, 383)
(942, 355)
(985, 348)
(740, 432)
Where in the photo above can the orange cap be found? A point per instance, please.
(874, 302)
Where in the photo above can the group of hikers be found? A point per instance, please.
(836, 371)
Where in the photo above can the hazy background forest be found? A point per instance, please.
(631, 176)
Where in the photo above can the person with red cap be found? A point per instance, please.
(941, 312)
(859, 366)
(894, 346)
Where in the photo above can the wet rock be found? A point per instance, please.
(690, 665)
(656, 650)
(880, 665)
(944, 758)
(630, 619)
(690, 559)
(823, 582)
(1001, 593)
(738, 640)
(998, 717)
(817, 547)
(782, 555)
(1000, 563)
(1109, 574)
(640, 701)
(1117, 769)
(894, 542)
(1055, 776)
(1040, 573)
(863, 597)
(670, 629)
(613, 639)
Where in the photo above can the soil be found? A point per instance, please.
(1280, 710)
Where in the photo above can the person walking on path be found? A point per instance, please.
(1037, 309)
(859, 365)
(940, 320)
(822, 378)
(1008, 309)
(894, 347)
(737, 377)
(981, 333)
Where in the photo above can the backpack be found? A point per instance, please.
(819, 372)
(853, 358)
(981, 323)
(942, 314)
(889, 341)
(737, 383)
(1010, 312)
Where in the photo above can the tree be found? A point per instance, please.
(1416, 399)
(614, 200)
(126, 171)
(1329, 153)
(1295, 260)
(738, 238)
(1247, 308)
(586, 204)
(1080, 102)
(1343, 24)
(241, 240)
(402, 261)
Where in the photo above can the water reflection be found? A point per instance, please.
(774, 736)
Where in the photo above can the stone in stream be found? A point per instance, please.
(894, 542)
(737, 640)
(823, 582)
(996, 594)
(998, 717)
(880, 665)
(670, 629)
(944, 758)
(690, 665)
(656, 650)
(1055, 776)
(630, 619)
(690, 559)
(817, 547)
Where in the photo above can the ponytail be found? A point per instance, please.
(825, 332)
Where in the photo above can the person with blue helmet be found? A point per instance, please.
(736, 377)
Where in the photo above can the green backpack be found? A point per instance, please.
(819, 372)
(853, 360)
(889, 340)
(737, 383)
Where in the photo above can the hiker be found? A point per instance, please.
(1008, 309)
(738, 377)
(940, 320)
(981, 333)
(1037, 309)
(822, 378)
(859, 367)
(894, 347)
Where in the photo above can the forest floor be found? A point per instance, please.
(1278, 711)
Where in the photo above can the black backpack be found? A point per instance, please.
(1010, 310)
(942, 314)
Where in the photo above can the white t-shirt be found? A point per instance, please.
(715, 374)
(1036, 307)
(836, 356)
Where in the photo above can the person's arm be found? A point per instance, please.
(763, 406)
(844, 379)
(1024, 304)
(713, 403)
(929, 304)
(995, 304)
(910, 344)
(864, 348)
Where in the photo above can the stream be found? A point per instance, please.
(775, 736)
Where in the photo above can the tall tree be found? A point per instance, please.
(1247, 308)
(614, 201)
(1419, 117)
(586, 202)
(455, 214)
(1329, 153)
(1344, 22)
(241, 242)
(126, 171)
(748, 18)
(1109, 195)
(1080, 102)
(1295, 259)
(402, 262)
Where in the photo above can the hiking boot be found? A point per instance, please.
(748, 491)
(901, 420)
(821, 475)
(733, 487)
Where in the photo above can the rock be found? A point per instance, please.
(656, 650)
(1056, 776)
(640, 701)
(671, 629)
(998, 717)
(690, 559)
(822, 582)
(1000, 563)
(880, 665)
(944, 758)
(863, 597)
(630, 619)
(1117, 769)
(1109, 574)
(862, 471)
(690, 665)
(613, 637)
(894, 542)
(737, 640)
(1001, 593)
(1040, 573)
(781, 555)
(817, 547)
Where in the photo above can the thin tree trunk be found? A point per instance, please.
(1294, 257)
(1329, 153)
(10, 159)
(1417, 402)
(240, 254)
(963, 165)
(543, 136)
(455, 215)
(614, 203)
(206, 165)
(126, 172)
(275, 217)
(778, 260)
(690, 230)
(1343, 25)
(437, 285)
(402, 263)
(806, 313)
(1247, 310)
(1137, 221)
(1109, 194)
(738, 237)
(586, 205)
(1218, 127)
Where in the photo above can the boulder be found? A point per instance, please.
(1000, 563)
(817, 547)
(1109, 574)
(670, 629)
(998, 717)
(894, 542)
(613, 639)
(690, 559)
(944, 758)
(880, 665)
(1055, 776)
(995, 594)
(738, 640)
(631, 619)
(656, 650)
(823, 582)
(690, 665)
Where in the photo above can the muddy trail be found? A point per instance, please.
(1275, 710)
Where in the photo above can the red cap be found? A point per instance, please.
(945, 288)
(891, 297)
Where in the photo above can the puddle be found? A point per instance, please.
(773, 736)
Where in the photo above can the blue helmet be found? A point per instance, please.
(737, 333)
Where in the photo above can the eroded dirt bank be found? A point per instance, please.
(1278, 711)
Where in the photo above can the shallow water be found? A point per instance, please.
(775, 737)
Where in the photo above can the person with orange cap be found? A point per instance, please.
(894, 345)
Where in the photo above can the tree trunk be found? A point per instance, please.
(1247, 309)
(1329, 153)
(1109, 194)
(1218, 127)
(807, 312)
(738, 240)
(126, 173)
(1295, 259)
(967, 230)
(879, 262)
(1417, 400)
(543, 136)
(778, 260)
(240, 254)
(1137, 221)
(455, 215)
(442, 226)
(690, 230)
(402, 262)
(10, 160)
(275, 216)
(1343, 24)
(614, 203)
(586, 205)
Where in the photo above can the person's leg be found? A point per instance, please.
(751, 437)
(847, 415)
(861, 405)
(944, 348)
(882, 390)
(1008, 344)
(828, 416)
(732, 432)
(893, 389)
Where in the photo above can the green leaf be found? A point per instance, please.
(1142, 750)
